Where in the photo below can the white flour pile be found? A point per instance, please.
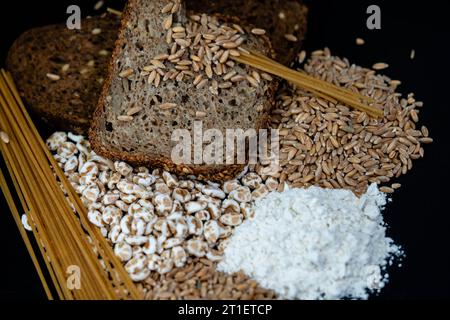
(315, 244)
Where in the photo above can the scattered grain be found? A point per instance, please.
(4, 136)
(96, 31)
(126, 73)
(200, 114)
(258, 31)
(53, 77)
(380, 66)
(396, 186)
(158, 64)
(302, 56)
(125, 118)
(99, 4)
(291, 37)
(252, 81)
(202, 83)
(386, 190)
(167, 23)
(167, 8)
(65, 68)
(167, 106)
(133, 111)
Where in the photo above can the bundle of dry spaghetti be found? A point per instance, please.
(319, 88)
(79, 261)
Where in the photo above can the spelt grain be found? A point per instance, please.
(291, 37)
(380, 66)
(167, 23)
(167, 8)
(258, 31)
(125, 118)
(4, 137)
(133, 111)
(126, 73)
(96, 31)
(53, 77)
(167, 106)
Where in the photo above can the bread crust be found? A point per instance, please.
(213, 173)
(66, 104)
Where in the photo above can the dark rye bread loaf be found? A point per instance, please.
(277, 17)
(146, 140)
(67, 103)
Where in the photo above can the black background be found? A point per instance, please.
(418, 216)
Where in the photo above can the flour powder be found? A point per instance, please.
(315, 244)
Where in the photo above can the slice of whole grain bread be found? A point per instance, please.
(78, 57)
(68, 104)
(277, 17)
(146, 139)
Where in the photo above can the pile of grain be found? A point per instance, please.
(333, 146)
(199, 279)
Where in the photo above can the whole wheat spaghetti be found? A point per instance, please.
(316, 86)
(58, 219)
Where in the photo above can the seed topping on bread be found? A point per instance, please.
(197, 52)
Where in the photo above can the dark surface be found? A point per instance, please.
(417, 217)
